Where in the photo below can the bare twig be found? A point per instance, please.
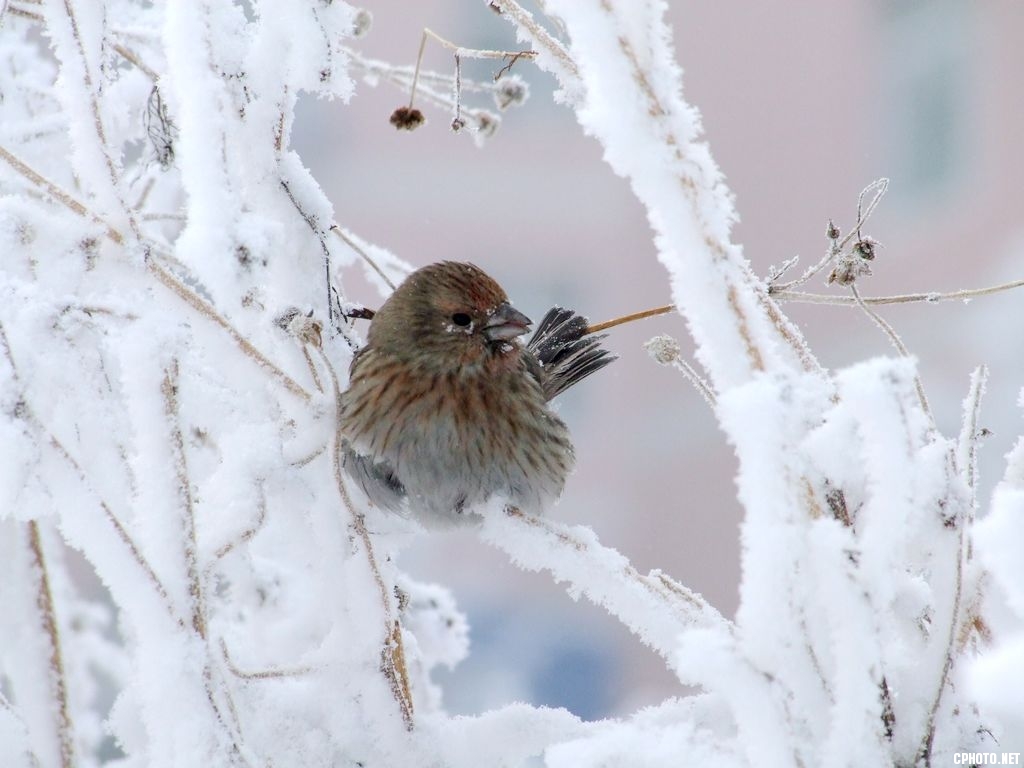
(129, 55)
(21, 12)
(598, 327)
(48, 618)
(613, 583)
(928, 298)
(967, 445)
(924, 753)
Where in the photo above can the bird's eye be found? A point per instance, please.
(461, 318)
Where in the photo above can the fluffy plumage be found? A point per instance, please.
(446, 407)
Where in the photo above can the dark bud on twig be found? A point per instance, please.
(865, 248)
(510, 93)
(832, 233)
(407, 118)
(495, 7)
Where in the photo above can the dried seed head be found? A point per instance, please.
(865, 248)
(302, 327)
(487, 123)
(407, 118)
(362, 20)
(511, 92)
(832, 233)
(458, 124)
(664, 349)
(848, 270)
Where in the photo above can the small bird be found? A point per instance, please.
(445, 405)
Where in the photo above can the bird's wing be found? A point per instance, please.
(376, 478)
(564, 352)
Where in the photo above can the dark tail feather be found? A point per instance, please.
(565, 353)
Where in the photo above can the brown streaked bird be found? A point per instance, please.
(447, 407)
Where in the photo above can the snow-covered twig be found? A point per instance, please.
(59, 194)
(907, 298)
(169, 390)
(560, 61)
(63, 726)
(92, 143)
(665, 351)
(836, 246)
(654, 606)
(897, 342)
(204, 308)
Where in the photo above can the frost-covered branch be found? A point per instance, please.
(629, 98)
(655, 607)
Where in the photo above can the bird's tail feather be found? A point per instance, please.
(565, 351)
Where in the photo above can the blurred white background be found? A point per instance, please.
(803, 105)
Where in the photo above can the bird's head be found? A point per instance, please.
(449, 316)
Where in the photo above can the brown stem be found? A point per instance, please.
(169, 390)
(44, 602)
(630, 318)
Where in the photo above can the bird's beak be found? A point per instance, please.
(506, 323)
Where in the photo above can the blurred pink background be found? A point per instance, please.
(803, 106)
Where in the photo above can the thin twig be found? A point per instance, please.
(897, 342)
(541, 37)
(248, 533)
(169, 390)
(345, 238)
(665, 351)
(266, 674)
(59, 194)
(30, 15)
(299, 463)
(879, 187)
(473, 53)
(129, 55)
(48, 618)
(204, 308)
(598, 327)
(928, 298)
